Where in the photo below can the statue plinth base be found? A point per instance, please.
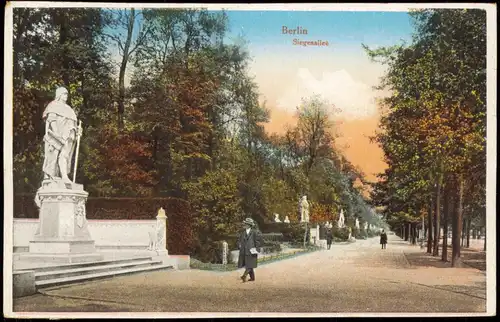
(62, 235)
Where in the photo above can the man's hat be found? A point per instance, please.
(248, 221)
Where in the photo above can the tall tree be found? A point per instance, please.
(55, 47)
(129, 32)
(438, 85)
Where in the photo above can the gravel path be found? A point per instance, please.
(354, 278)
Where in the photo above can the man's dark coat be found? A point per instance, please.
(245, 242)
(383, 238)
(329, 236)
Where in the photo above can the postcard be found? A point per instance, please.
(148, 147)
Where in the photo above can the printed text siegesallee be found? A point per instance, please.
(306, 43)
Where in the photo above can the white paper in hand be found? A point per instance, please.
(253, 251)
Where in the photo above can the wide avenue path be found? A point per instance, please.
(359, 277)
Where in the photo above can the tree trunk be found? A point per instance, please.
(429, 226)
(446, 210)
(457, 226)
(468, 232)
(123, 67)
(63, 39)
(474, 234)
(484, 248)
(435, 251)
(464, 227)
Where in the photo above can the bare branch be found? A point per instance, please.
(116, 39)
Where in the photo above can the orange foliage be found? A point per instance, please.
(322, 213)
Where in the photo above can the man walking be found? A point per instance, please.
(329, 238)
(383, 239)
(249, 243)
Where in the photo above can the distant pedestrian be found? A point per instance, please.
(329, 238)
(249, 243)
(383, 239)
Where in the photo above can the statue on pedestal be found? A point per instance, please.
(61, 135)
(287, 221)
(357, 223)
(277, 218)
(304, 209)
(62, 234)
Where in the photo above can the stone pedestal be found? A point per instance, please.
(159, 236)
(62, 235)
(161, 231)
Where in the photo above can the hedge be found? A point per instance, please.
(181, 235)
(196, 264)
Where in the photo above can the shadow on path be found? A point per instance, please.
(470, 257)
(422, 259)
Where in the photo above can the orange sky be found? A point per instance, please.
(343, 77)
(353, 141)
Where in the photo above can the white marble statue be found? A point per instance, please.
(365, 226)
(357, 223)
(340, 222)
(62, 215)
(277, 218)
(61, 135)
(286, 220)
(304, 209)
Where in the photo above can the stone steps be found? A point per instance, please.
(39, 276)
(49, 268)
(89, 277)
(52, 276)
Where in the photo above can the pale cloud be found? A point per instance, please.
(116, 58)
(352, 99)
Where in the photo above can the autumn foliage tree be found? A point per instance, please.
(433, 133)
(189, 128)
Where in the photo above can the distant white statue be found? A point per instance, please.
(340, 222)
(286, 220)
(61, 135)
(365, 226)
(277, 218)
(357, 223)
(304, 209)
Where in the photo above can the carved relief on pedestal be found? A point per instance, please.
(80, 215)
(40, 198)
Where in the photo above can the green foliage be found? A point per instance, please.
(216, 202)
(189, 127)
(271, 247)
(433, 130)
(340, 233)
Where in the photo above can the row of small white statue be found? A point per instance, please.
(277, 219)
(327, 225)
